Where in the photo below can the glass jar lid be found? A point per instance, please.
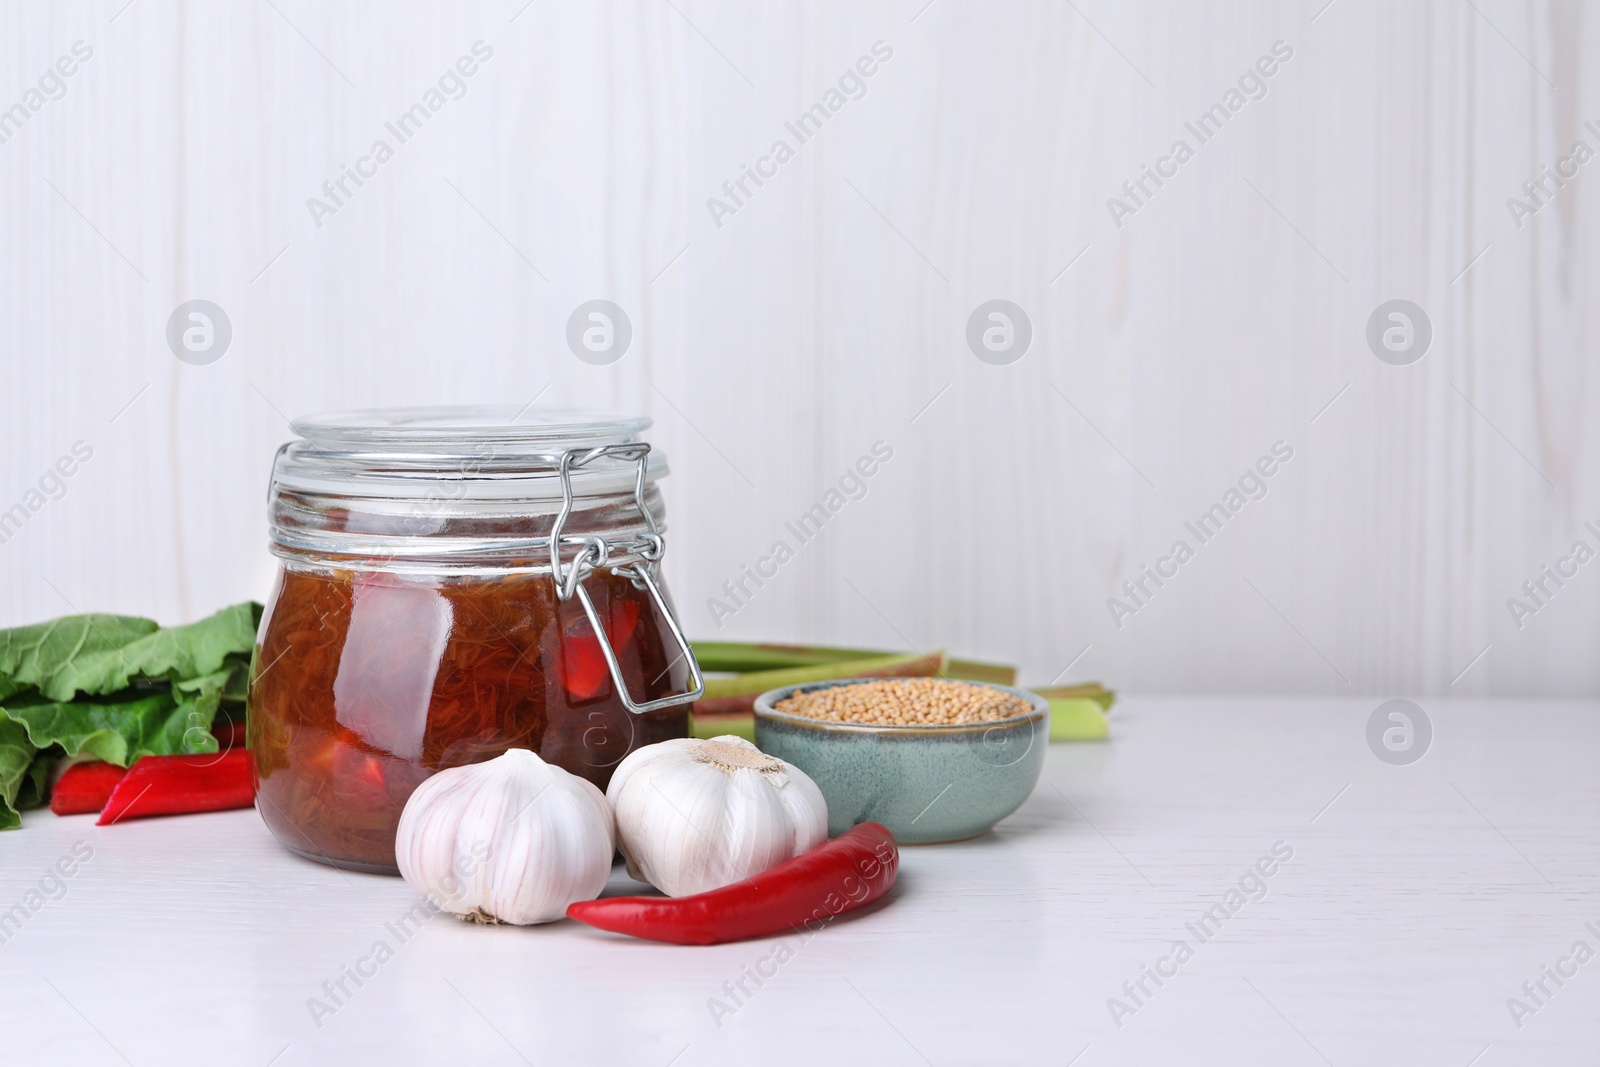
(447, 430)
(486, 453)
(478, 487)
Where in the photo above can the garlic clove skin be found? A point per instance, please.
(694, 815)
(512, 840)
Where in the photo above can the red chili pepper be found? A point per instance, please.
(852, 870)
(85, 787)
(178, 785)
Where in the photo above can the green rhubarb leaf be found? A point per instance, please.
(199, 699)
(104, 654)
(43, 654)
(124, 726)
(34, 786)
(238, 687)
(16, 756)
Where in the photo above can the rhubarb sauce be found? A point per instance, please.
(367, 682)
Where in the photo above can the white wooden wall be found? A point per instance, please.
(830, 310)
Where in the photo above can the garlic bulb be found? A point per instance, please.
(512, 840)
(694, 815)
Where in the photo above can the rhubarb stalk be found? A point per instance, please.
(737, 695)
(85, 787)
(178, 785)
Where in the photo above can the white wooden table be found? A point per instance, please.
(1418, 900)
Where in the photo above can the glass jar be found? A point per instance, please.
(455, 582)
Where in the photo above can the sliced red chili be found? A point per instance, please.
(851, 871)
(178, 785)
(85, 787)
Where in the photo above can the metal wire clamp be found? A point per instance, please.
(594, 551)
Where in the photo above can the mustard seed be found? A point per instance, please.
(906, 702)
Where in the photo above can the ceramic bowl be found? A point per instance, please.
(925, 783)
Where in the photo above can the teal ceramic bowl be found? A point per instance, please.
(925, 783)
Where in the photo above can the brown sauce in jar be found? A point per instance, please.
(367, 682)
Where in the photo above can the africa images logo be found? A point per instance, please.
(1399, 732)
(199, 332)
(999, 332)
(1399, 332)
(599, 332)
